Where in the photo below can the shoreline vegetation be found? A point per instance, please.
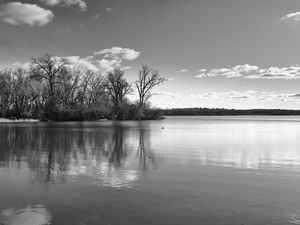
(161, 113)
(228, 112)
(51, 89)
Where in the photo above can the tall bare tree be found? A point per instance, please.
(69, 85)
(148, 79)
(117, 87)
(97, 95)
(5, 91)
(21, 94)
(47, 68)
(14, 92)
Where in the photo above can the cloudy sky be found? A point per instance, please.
(214, 53)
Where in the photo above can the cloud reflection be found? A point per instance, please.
(241, 142)
(294, 218)
(31, 215)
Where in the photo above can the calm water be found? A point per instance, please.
(183, 170)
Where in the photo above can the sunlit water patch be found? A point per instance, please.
(31, 215)
(294, 218)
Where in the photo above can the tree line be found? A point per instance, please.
(52, 89)
(226, 112)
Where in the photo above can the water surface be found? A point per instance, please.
(183, 170)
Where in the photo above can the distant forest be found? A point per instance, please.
(226, 112)
(52, 89)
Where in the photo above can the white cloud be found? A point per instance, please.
(253, 72)
(100, 62)
(236, 71)
(167, 93)
(288, 73)
(245, 68)
(24, 66)
(182, 71)
(109, 65)
(82, 63)
(80, 3)
(119, 53)
(291, 17)
(94, 63)
(17, 65)
(201, 75)
(249, 94)
(17, 13)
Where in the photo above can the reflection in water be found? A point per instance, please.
(107, 161)
(57, 152)
(294, 219)
(86, 157)
(31, 215)
(146, 156)
(115, 154)
(243, 144)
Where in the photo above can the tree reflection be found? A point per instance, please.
(117, 152)
(147, 158)
(113, 155)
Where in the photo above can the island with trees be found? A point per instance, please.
(52, 90)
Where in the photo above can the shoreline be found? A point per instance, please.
(6, 120)
(236, 115)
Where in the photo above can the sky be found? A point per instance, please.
(214, 53)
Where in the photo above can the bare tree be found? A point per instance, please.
(52, 89)
(148, 79)
(5, 91)
(69, 85)
(14, 94)
(96, 92)
(48, 67)
(117, 88)
(85, 83)
(21, 94)
(92, 89)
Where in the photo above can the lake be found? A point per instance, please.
(182, 170)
